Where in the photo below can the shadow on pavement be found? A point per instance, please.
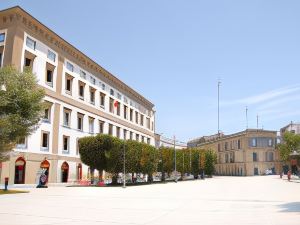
(290, 207)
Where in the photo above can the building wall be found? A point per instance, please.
(235, 153)
(19, 28)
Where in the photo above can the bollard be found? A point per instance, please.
(6, 183)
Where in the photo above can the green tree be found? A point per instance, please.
(149, 160)
(21, 107)
(167, 160)
(291, 142)
(210, 161)
(195, 162)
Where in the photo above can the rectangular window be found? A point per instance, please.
(68, 86)
(103, 87)
(152, 126)
(119, 96)
(2, 37)
(45, 141)
(255, 159)
(66, 143)
(131, 135)
(111, 105)
(253, 142)
(239, 144)
(270, 142)
(91, 125)
(28, 62)
(142, 120)
(112, 93)
(49, 74)
(102, 99)
(118, 132)
(101, 127)
(47, 113)
(81, 86)
(67, 117)
(136, 117)
(125, 134)
(143, 139)
(70, 67)
(131, 114)
(148, 123)
(110, 129)
(92, 96)
(51, 55)
(226, 146)
(93, 80)
(82, 74)
(148, 141)
(118, 108)
(125, 112)
(137, 137)
(80, 121)
(30, 43)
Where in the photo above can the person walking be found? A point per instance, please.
(289, 175)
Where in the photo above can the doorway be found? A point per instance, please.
(64, 172)
(20, 171)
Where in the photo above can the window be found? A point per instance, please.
(102, 100)
(270, 142)
(226, 146)
(110, 129)
(148, 123)
(45, 141)
(30, 43)
(137, 137)
(125, 112)
(92, 96)
(253, 142)
(124, 134)
(142, 120)
(82, 74)
(22, 143)
(119, 96)
(112, 93)
(68, 85)
(101, 127)
(118, 132)
(136, 117)
(93, 80)
(239, 144)
(226, 158)
(152, 126)
(51, 55)
(91, 125)
(67, 117)
(47, 113)
(49, 74)
(2, 37)
(111, 105)
(143, 139)
(80, 121)
(269, 156)
(66, 142)
(118, 108)
(28, 62)
(219, 147)
(131, 135)
(255, 157)
(131, 114)
(81, 86)
(148, 141)
(103, 87)
(70, 67)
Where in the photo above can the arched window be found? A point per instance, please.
(20, 170)
(64, 172)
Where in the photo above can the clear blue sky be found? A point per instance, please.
(173, 53)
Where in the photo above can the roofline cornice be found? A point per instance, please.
(21, 16)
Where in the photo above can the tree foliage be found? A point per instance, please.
(21, 107)
(210, 161)
(291, 142)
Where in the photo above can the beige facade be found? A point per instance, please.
(103, 102)
(247, 153)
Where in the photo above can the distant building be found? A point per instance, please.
(161, 141)
(194, 142)
(246, 153)
(291, 127)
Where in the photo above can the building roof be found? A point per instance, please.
(17, 11)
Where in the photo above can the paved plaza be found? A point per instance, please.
(221, 200)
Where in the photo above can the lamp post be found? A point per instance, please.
(175, 160)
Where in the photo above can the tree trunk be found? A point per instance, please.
(92, 175)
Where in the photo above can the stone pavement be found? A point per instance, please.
(221, 200)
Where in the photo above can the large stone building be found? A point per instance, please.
(291, 127)
(82, 97)
(247, 153)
